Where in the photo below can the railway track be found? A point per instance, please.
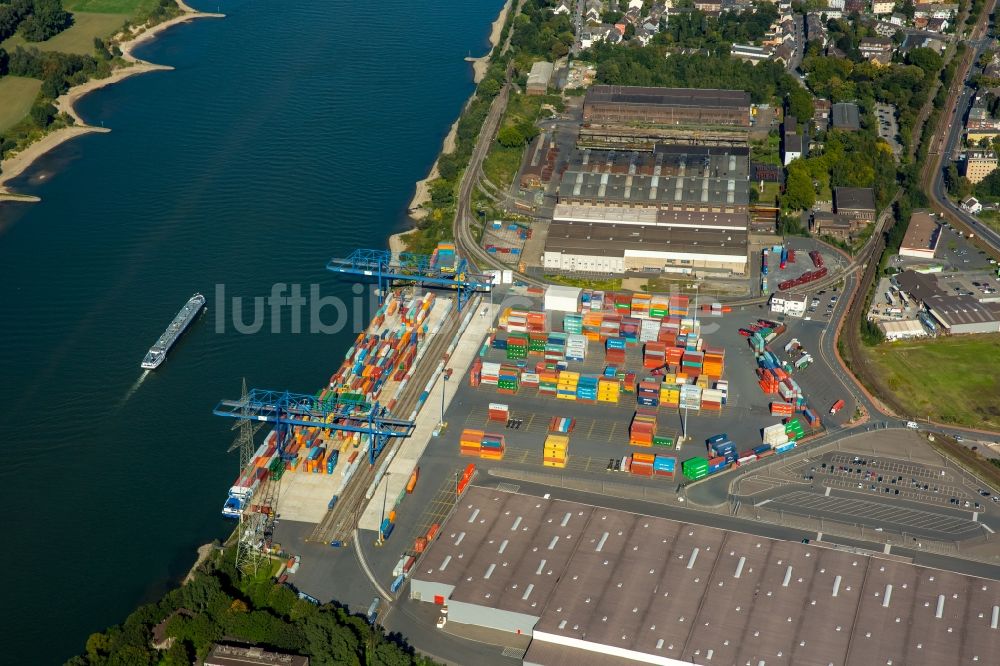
(339, 523)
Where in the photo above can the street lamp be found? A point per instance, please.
(385, 497)
(444, 381)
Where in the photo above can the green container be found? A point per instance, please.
(663, 441)
(695, 468)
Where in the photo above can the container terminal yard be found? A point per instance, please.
(485, 470)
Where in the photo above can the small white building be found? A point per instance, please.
(793, 305)
(902, 330)
(560, 298)
(793, 148)
(883, 6)
(971, 205)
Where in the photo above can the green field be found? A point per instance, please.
(18, 94)
(950, 380)
(110, 6)
(78, 38)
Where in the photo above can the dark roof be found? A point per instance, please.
(854, 198)
(793, 143)
(654, 190)
(961, 310)
(614, 239)
(687, 97)
(232, 655)
(606, 583)
(845, 115)
(827, 220)
(918, 285)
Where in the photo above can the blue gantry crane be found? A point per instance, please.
(345, 413)
(385, 267)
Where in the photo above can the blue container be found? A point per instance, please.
(717, 466)
(396, 584)
(717, 438)
(387, 528)
(499, 344)
(761, 449)
(332, 503)
(785, 447)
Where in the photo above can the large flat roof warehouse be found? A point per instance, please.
(703, 190)
(666, 160)
(921, 237)
(684, 97)
(652, 217)
(599, 586)
(614, 239)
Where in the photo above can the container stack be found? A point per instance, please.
(615, 351)
(811, 417)
(663, 441)
(610, 326)
(695, 468)
(509, 380)
(586, 389)
(573, 323)
(537, 343)
(642, 464)
(723, 387)
(476, 372)
(499, 412)
(692, 362)
(717, 464)
(529, 379)
(670, 394)
(659, 306)
(592, 322)
(576, 347)
(782, 409)
(678, 306)
(517, 346)
(548, 383)
(649, 330)
(690, 397)
(711, 399)
(470, 442)
(654, 355)
(514, 321)
(725, 449)
(643, 427)
(568, 383)
(664, 466)
(774, 435)
(492, 447)
(714, 363)
(648, 393)
(790, 391)
(640, 305)
(555, 452)
(562, 425)
(793, 428)
(491, 373)
(630, 330)
(608, 390)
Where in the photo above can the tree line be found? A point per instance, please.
(36, 20)
(219, 605)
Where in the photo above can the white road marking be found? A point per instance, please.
(887, 548)
(819, 536)
(763, 503)
(827, 493)
(987, 528)
(975, 516)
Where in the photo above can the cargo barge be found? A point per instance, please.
(157, 354)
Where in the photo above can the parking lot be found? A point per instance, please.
(878, 515)
(887, 127)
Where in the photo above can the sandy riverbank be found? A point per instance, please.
(422, 194)
(14, 165)
(480, 65)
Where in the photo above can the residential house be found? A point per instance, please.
(815, 27)
(870, 47)
(835, 4)
(971, 205)
(897, 19)
(880, 7)
(635, 4)
(750, 53)
(784, 53)
(885, 29)
(935, 10)
(821, 113)
(937, 24)
(564, 7)
(792, 148)
(713, 7)
(881, 59)
(592, 10)
(854, 6)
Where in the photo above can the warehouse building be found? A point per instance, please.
(855, 202)
(922, 235)
(955, 314)
(906, 329)
(845, 116)
(666, 106)
(603, 587)
(681, 209)
(539, 78)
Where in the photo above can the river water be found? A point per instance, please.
(288, 134)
